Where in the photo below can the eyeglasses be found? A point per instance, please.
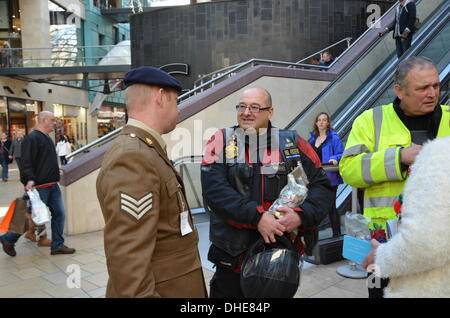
(253, 109)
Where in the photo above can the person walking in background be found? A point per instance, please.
(15, 151)
(63, 148)
(40, 171)
(403, 26)
(5, 144)
(328, 146)
(6, 55)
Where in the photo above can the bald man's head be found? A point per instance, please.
(251, 99)
(43, 115)
(259, 90)
(46, 121)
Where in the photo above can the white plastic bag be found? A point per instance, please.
(39, 211)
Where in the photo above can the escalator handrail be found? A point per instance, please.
(243, 65)
(96, 142)
(349, 68)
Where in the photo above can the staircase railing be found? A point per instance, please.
(60, 56)
(232, 70)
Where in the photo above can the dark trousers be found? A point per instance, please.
(334, 216)
(63, 160)
(19, 164)
(225, 284)
(403, 45)
(4, 165)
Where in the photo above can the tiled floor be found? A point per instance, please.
(34, 273)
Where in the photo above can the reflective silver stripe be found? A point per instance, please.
(377, 120)
(390, 166)
(365, 166)
(356, 150)
(380, 202)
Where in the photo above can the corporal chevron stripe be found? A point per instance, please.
(136, 208)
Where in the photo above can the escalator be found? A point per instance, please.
(432, 41)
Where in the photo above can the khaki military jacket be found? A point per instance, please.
(142, 200)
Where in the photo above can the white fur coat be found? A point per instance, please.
(417, 259)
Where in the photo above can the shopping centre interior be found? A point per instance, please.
(70, 56)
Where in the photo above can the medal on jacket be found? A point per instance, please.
(231, 150)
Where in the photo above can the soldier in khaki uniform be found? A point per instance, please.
(150, 240)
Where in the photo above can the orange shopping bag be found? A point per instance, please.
(8, 217)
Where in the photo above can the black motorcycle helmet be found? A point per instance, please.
(271, 270)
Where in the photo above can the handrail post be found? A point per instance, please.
(355, 203)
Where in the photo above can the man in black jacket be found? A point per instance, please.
(5, 144)
(403, 26)
(40, 170)
(243, 171)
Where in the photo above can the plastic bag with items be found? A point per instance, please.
(357, 225)
(294, 193)
(39, 211)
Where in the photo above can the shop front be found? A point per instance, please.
(16, 113)
(71, 121)
(110, 118)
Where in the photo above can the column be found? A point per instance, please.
(35, 22)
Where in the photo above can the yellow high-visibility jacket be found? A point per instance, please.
(371, 159)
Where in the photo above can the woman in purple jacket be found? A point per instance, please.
(328, 146)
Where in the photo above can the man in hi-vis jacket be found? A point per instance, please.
(385, 140)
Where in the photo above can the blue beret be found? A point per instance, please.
(151, 76)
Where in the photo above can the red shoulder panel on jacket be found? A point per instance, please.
(306, 148)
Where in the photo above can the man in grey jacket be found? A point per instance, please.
(15, 151)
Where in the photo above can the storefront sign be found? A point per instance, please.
(17, 106)
(71, 111)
